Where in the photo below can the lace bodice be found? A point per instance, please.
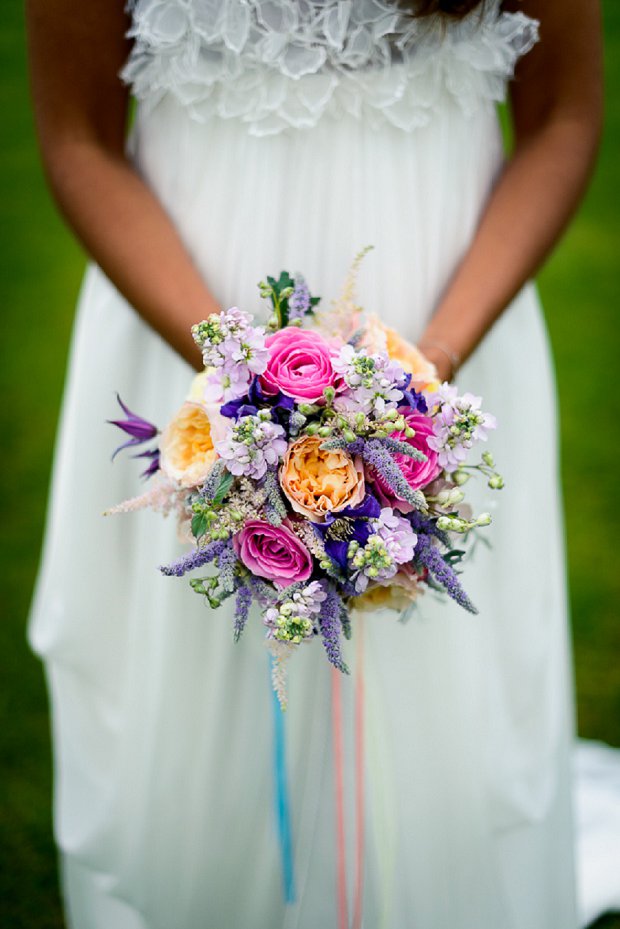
(276, 64)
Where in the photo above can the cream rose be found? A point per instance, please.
(187, 452)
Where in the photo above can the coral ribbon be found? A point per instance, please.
(282, 801)
(341, 868)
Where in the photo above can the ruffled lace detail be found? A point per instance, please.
(285, 63)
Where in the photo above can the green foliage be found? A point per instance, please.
(226, 482)
(199, 525)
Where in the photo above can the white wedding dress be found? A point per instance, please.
(288, 135)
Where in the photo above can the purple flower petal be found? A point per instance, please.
(153, 454)
(140, 430)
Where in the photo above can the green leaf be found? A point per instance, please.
(285, 280)
(454, 556)
(199, 525)
(223, 487)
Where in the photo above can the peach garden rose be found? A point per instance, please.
(318, 482)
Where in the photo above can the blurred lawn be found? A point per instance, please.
(40, 270)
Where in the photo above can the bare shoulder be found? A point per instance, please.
(564, 70)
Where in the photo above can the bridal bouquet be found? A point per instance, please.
(317, 466)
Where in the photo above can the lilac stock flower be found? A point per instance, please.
(457, 425)
(429, 556)
(373, 381)
(390, 544)
(397, 533)
(196, 559)
(234, 348)
(253, 445)
(299, 301)
(140, 430)
(293, 619)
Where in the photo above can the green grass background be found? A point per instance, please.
(40, 271)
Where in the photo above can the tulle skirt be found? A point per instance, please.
(163, 727)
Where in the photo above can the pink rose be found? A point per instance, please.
(299, 364)
(417, 473)
(273, 552)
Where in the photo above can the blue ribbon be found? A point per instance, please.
(281, 799)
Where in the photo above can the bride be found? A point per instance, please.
(275, 134)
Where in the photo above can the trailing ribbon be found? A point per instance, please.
(282, 799)
(282, 796)
(341, 868)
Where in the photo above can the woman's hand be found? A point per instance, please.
(557, 109)
(445, 362)
(76, 50)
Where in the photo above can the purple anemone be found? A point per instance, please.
(351, 523)
(255, 399)
(417, 401)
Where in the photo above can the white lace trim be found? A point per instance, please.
(284, 63)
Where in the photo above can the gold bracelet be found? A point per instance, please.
(453, 357)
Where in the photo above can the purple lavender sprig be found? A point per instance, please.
(402, 448)
(336, 443)
(275, 508)
(430, 557)
(243, 603)
(330, 626)
(195, 559)
(345, 620)
(261, 591)
(299, 301)
(425, 524)
(226, 565)
(381, 460)
(212, 482)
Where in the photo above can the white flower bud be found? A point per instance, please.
(484, 519)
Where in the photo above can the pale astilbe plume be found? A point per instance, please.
(309, 537)
(280, 653)
(342, 319)
(163, 497)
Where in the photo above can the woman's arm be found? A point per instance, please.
(557, 108)
(76, 50)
